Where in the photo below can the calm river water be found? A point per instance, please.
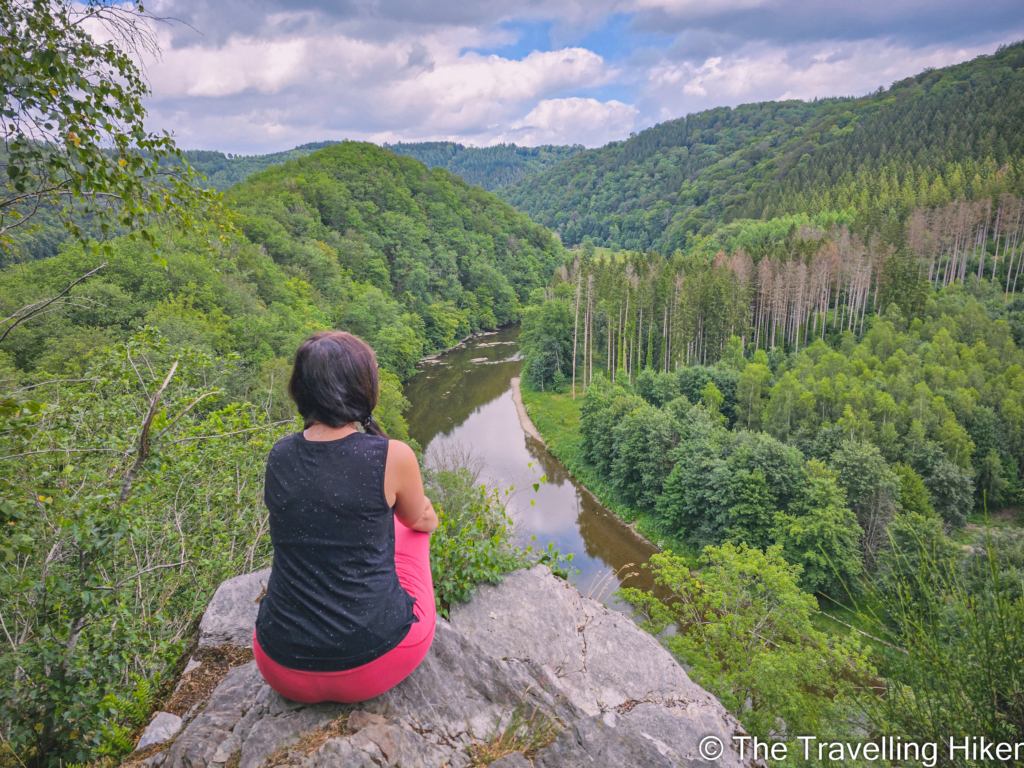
(466, 396)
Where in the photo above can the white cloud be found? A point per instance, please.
(574, 120)
(760, 73)
(697, 8)
(268, 74)
(334, 85)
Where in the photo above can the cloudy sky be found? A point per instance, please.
(254, 76)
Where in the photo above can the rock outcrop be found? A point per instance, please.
(531, 651)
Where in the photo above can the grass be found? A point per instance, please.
(557, 417)
(524, 733)
(308, 743)
(858, 615)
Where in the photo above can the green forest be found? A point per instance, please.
(489, 167)
(818, 414)
(870, 458)
(485, 167)
(193, 348)
(787, 345)
(943, 135)
(222, 171)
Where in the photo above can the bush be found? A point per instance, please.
(744, 631)
(963, 631)
(473, 543)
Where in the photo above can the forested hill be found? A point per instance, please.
(351, 237)
(225, 170)
(925, 141)
(487, 167)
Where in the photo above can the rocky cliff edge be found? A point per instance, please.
(530, 656)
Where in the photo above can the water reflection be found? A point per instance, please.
(466, 396)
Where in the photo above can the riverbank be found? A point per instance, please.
(524, 418)
(556, 418)
(467, 401)
(432, 358)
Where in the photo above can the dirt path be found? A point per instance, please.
(524, 419)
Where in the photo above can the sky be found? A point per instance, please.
(258, 76)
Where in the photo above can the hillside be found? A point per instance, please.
(201, 338)
(225, 170)
(487, 167)
(352, 236)
(929, 139)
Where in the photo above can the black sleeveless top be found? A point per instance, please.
(333, 601)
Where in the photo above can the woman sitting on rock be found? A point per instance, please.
(349, 611)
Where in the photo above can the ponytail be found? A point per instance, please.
(371, 427)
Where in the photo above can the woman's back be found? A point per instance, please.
(334, 600)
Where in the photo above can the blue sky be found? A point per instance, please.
(265, 75)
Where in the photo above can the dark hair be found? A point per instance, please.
(334, 381)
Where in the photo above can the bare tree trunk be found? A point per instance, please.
(576, 328)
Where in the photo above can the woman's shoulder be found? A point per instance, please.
(399, 450)
(285, 443)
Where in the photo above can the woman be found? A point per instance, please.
(349, 611)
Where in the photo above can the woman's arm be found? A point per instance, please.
(403, 489)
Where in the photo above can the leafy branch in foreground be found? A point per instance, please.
(72, 117)
(110, 547)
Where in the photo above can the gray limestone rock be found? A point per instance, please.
(404, 747)
(358, 719)
(210, 739)
(605, 741)
(531, 643)
(270, 732)
(649, 735)
(231, 615)
(343, 753)
(459, 692)
(512, 760)
(162, 728)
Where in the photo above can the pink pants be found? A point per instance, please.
(412, 563)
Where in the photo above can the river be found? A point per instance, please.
(465, 396)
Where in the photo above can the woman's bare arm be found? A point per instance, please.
(403, 489)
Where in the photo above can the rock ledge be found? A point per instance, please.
(532, 645)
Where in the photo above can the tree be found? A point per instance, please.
(952, 492)
(914, 496)
(751, 394)
(821, 534)
(964, 637)
(782, 410)
(642, 443)
(744, 629)
(73, 122)
(872, 489)
(993, 478)
(546, 341)
(749, 518)
(712, 399)
(141, 427)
